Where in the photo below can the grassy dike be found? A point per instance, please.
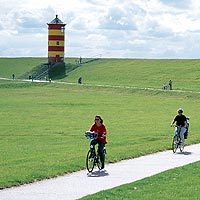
(180, 183)
(42, 126)
(185, 74)
(18, 66)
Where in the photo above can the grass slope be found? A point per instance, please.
(21, 66)
(42, 126)
(185, 74)
(180, 183)
(18, 66)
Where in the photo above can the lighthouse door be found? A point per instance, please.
(57, 58)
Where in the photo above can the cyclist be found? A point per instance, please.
(181, 122)
(187, 126)
(99, 128)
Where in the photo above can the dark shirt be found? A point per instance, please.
(180, 120)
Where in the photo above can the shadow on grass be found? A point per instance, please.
(100, 173)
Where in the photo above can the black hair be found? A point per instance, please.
(101, 120)
(180, 110)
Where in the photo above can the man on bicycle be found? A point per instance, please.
(99, 128)
(181, 123)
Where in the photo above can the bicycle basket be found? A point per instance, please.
(91, 135)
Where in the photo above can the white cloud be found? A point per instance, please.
(113, 28)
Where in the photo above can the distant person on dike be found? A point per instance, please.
(98, 127)
(80, 80)
(181, 121)
(170, 84)
(13, 76)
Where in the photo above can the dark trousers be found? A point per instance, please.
(100, 149)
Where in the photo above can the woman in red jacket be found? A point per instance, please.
(99, 128)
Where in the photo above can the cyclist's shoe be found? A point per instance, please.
(102, 166)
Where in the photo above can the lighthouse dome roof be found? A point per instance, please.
(56, 21)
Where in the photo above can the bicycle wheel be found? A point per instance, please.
(175, 144)
(90, 161)
(101, 162)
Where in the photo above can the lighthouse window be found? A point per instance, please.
(62, 29)
(57, 43)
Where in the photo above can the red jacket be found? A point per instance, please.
(101, 130)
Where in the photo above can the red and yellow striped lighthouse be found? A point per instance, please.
(56, 41)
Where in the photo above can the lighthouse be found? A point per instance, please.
(56, 41)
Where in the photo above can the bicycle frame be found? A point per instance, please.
(177, 141)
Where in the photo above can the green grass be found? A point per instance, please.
(180, 183)
(42, 126)
(185, 74)
(20, 66)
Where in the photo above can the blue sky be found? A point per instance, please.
(112, 28)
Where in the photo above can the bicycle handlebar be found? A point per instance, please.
(90, 135)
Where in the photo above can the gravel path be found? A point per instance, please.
(79, 184)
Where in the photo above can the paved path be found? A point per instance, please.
(105, 86)
(79, 184)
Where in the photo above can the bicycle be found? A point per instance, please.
(177, 142)
(93, 157)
